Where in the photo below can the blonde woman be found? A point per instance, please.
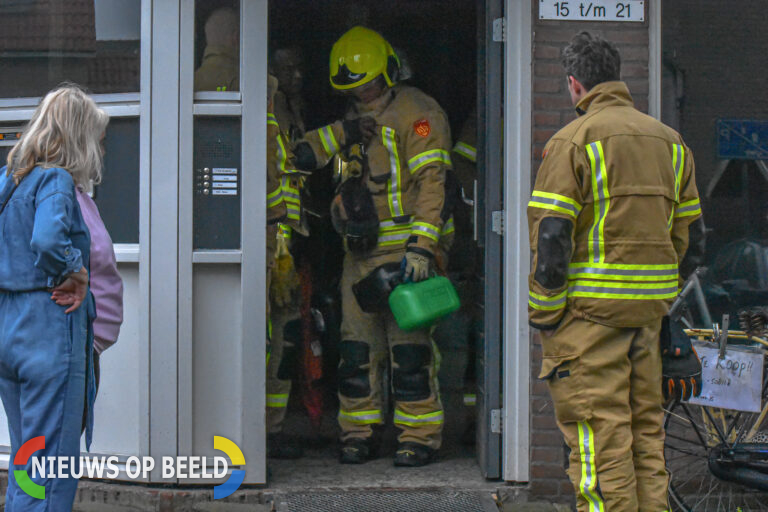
(46, 309)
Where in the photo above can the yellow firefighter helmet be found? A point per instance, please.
(359, 56)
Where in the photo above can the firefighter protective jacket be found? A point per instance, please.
(219, 71)
(465, 166)
(283, 180)
(609, 215)
(407, 160)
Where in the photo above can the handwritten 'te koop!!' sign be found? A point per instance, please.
(596, 10)
(734, 382)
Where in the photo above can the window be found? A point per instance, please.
(94, 43)
(217, 46)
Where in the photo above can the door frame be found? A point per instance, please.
(518, 62)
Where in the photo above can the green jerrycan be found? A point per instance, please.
(418, 305)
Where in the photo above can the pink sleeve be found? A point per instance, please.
(106, 283)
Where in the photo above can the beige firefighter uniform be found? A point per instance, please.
(407, 161)
(219, 70)
(276, 207)
(285, 292)
(465, 151)
(283, 208)
(464, 255)
(608, 222)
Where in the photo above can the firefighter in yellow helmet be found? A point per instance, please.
(391, 211)
(609, 219)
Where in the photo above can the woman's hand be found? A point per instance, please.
(72, 291)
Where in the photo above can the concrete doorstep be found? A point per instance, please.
(100, 496)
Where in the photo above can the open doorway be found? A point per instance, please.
(438, 46)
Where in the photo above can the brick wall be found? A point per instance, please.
(552, 109)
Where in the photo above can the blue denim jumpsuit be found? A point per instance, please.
(44, 353)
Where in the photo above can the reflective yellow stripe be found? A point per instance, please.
(629, 291)
(588, 483)
(282, 155)
(275, 198)
(395, 183)
(544, 303)
(465, 150)
(449, 227)
(678, 161)
(470, 399)
(328, 140)
(415, 420)
(426, 229)
(633, 286)
(277, 400)
(678, 164)
(628, 266)
(391, 239)
(271, 119)
(554, 202)
(393, 233)
(688, 209)
(389, 224)
(622, 272)
(292, 197)
(428, 157)
(361, 417)
(602, 201)
(284, 231)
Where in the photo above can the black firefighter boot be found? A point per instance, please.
(357, 451)
(413, 455)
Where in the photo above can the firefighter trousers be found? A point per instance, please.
(605, 384)
(281, 367)
(369, 341)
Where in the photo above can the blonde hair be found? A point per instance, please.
(65, 131)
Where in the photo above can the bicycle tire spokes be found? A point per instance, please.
(692, 432)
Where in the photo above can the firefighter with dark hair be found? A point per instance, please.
(285, 283)
(391, 211)
(609, 219)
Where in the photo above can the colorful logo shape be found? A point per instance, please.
(237, 476)
(22, 477)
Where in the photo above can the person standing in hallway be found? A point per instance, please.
(285, 292)
(391, 210)
(463, 327)
(608, 220)
(46, 309)
(220, 68)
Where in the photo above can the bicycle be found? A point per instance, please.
(717, 458)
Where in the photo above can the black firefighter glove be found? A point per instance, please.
(372, 292)
(360, 130)
(680, 365)
(354, 216)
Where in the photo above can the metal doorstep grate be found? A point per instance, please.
(388, 501)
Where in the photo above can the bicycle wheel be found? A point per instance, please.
(694, 436)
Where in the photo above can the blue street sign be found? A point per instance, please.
(742, 138)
